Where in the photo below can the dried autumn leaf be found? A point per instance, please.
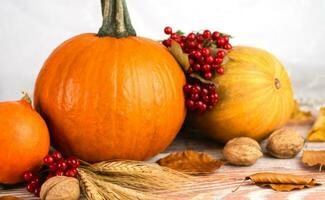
(314, 158)
(282, 182)
(203, 80)
(317, 133)
(191, 162)
(300, 117)
(179, 55)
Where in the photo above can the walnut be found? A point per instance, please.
(60, 188)
(242, 151)
(285, 143)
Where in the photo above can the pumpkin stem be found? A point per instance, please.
(116, 20)
(26, 98)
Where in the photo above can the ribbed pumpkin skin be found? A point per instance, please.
(250, 103)
(24, 140)
(107, 98)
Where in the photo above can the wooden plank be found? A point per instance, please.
(220, 184)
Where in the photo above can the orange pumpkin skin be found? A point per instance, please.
(256, 97)
(24, 140)
(107, 98)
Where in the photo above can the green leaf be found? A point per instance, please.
(179, 32)
(198, 77)
(179, 55)
(225, 60)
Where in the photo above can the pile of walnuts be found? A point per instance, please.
(283, 143)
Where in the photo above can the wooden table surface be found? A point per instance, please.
(220, 184)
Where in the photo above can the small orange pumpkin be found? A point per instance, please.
(111, 95)
(256, 97)
(24, 139)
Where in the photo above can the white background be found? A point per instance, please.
(293, 30)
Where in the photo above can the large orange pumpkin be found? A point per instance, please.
(256, 97)
(111, 95)
(24, 140)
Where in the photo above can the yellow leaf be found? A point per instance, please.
(317, 133)
(300, 117)
(191, 162)
(314, 158)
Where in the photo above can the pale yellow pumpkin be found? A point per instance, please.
(256, 97)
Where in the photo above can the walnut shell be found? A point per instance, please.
(242, 151)
(60, 188)
(285, 143)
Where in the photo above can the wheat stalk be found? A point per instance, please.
(129, 180)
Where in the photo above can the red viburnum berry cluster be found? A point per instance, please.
(200, 97)
(55, 165)
(203, 62)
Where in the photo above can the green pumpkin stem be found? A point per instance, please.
(116, 20)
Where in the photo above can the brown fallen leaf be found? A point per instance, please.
(317, 133)
(10, 198)
(179, 55)
(282, 182)
(299, 117)
(191, 162)
(314, 158)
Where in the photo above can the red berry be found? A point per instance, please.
(205, 99)
(53, 167)
(189, 71)
(73, 162)
(214, 67)
(206, 34)
(189, 103)
(218, 61)
(220, 70)
(31, 187)
(215, 35)
(206, 68)
(228, 46)
(226, 38)
(28, 176)
(59, 173)
(168, 30)
(208, 75)
(37, 191)
(194, 96)
(62, 165)
(204, 92)
(71, 173)
(221, 41)
(199, 46)
(196, 89)
(191, 44)
(199, 37)
(209, 59)
(167, 43)
(57, 156)
(211, 88)
(48, 160)
(191, 37)
(187, 88)
(196, 67)
(221, 54)
(35, 180)
(174, 36)
(205, 51)
(198, 54)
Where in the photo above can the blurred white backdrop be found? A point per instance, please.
(293, 30)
